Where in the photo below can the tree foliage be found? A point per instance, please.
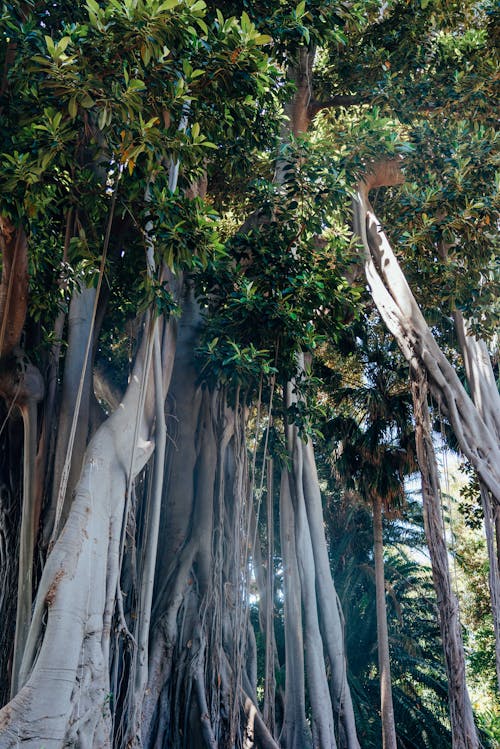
(178, 243)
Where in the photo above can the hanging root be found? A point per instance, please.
(206, 726)
(256, 729)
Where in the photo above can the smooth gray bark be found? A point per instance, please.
(270, 652)
(26, 543)
(295, 733)
(61, 686)
(331, 618)
(384, 664)
(79, 330)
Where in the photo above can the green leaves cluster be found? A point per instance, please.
(280, 281)
(100, 98)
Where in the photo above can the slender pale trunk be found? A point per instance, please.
(331, 617)
(493, 570)
(319, 693)
(269, 680)
(295, 732)
(464, 734)
(480, 375)
(384, 665)
(484, 392)
(79, 330)
(315, 577)
(27, 542)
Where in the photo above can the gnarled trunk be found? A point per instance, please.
(400, 312)
(312, 581)
(484, 392)
(60, 687)
(464, 734)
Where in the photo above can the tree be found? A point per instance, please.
(462, 720)
(418, 675)
(121, 122)
(171, 216)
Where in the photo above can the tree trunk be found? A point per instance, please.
(484, 392)
(384, 666)
(202, 661)
(322, 608)
(22, 387)
(464, 734)
(399, 310)
(308, 511)
(295, 733)
(493, 570)
(332, 620)
(268, 712)
(79, 330)
(11, 441)
(64, 690)
(13, 285)
(27, 540)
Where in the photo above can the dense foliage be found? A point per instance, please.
(192, 167)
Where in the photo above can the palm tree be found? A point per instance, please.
(374, 454)
(418, 674)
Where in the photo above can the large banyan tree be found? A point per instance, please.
(178, 238)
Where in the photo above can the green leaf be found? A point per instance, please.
(246, 23)
(101, 121)
(203, 26)
(72, 107)
(263, 39)
(63, 43)
(87, 101)
(50, 45)
(136, 85)
(168, 5)
(300, 9)
(146, 54)
(45, 160)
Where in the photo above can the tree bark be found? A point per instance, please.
(304, 487)
(400, 312)
(486, 397)
(270, 651)
(79, 330)
(13, 285)
(295, 733)
(61, 687)
(11, 442)
(27, 542)
(331, 617)
(384, 665)
(314, 572)
(464, 734)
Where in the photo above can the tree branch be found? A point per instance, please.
(13, 285)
